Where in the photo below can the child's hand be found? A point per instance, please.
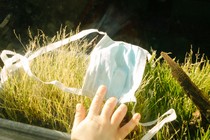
(102, 123)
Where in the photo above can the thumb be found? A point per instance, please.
(79, 115)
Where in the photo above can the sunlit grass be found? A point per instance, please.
(27, 100)
(24, 99)
(160, 92)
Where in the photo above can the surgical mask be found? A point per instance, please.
(116, 64)
(119, 66)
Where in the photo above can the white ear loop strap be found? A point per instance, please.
(171, 116)
(63, 42)
(17, 61)
(161, 121)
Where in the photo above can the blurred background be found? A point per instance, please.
(163, 25)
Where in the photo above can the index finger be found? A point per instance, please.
(96, 104)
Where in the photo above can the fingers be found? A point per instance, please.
(118, 115)
(79, 115)
(108, 108)
(127, 128)
(96, 104)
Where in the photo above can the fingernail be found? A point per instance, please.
(113, 99)
(78, 106)
(103, 87)
(137, 116)
(123, 107)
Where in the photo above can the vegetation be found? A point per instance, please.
(26, 100)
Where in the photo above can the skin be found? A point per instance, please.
(102, 123)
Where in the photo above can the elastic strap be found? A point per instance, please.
(168, 116)
(17, 61)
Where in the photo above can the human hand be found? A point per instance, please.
(102, 124)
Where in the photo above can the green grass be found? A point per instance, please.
(24, 99)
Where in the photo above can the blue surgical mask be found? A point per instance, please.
(119, 66)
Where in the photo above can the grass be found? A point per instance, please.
(25, 100)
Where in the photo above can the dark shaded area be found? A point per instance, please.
(163, 25)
